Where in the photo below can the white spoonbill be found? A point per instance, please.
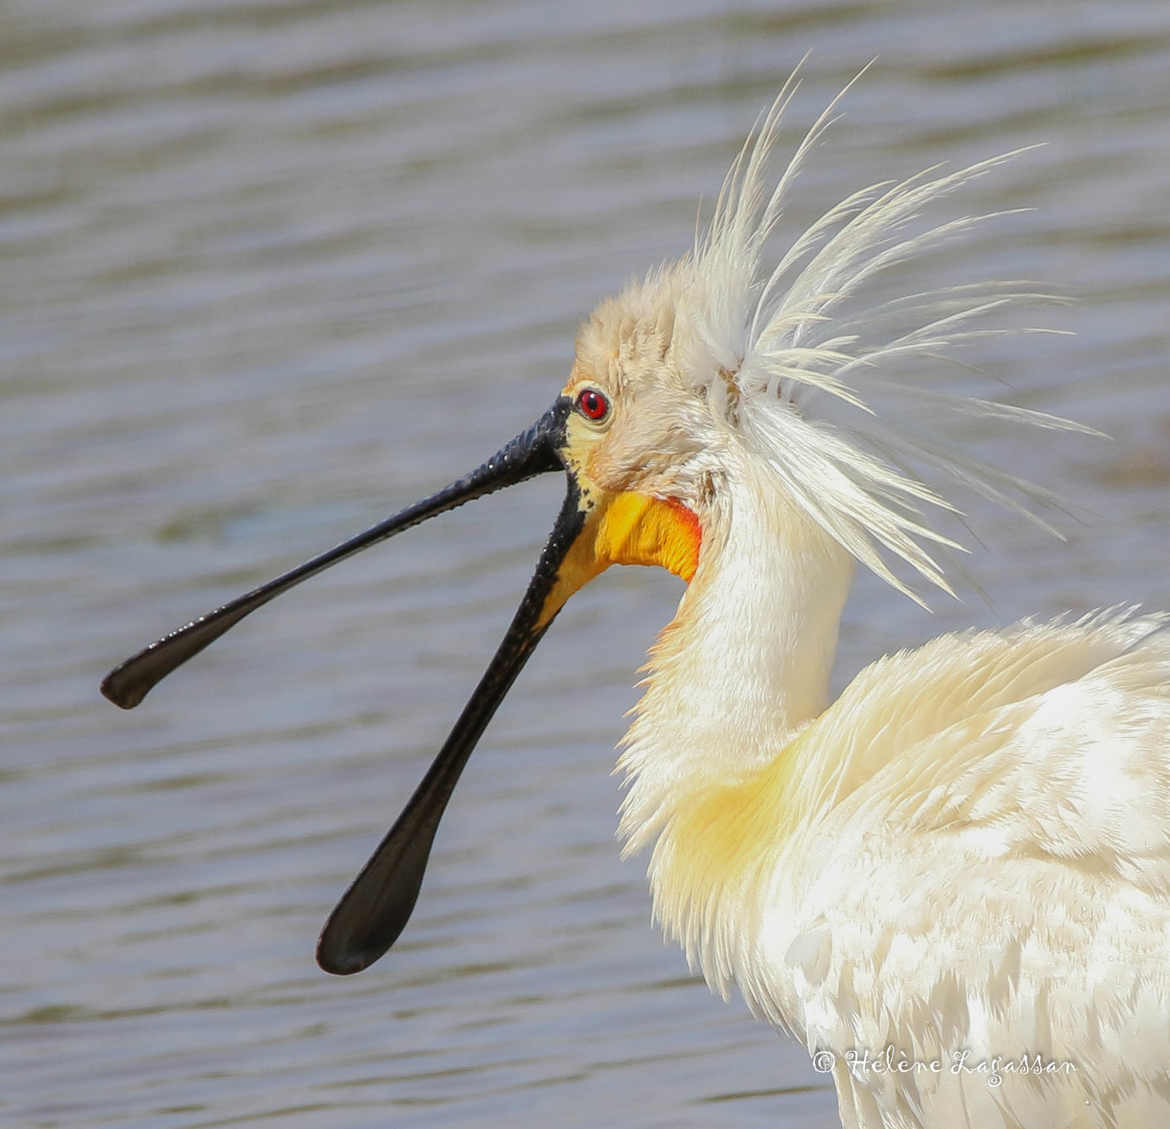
(953, 882)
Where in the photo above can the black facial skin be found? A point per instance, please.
(376, 907)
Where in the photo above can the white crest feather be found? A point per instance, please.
(774, 348)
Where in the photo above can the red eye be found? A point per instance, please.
(592, 404)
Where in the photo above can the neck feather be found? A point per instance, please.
(733, 678)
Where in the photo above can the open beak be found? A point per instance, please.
(376, 907)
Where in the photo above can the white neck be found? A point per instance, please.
(742, 667)
(746, 660)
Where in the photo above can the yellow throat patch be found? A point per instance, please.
(631, 528)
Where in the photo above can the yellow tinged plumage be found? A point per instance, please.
(721, 836)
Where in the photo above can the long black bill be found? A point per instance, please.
(532, 452)
(376, 907)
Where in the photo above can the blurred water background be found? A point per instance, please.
(270, 269)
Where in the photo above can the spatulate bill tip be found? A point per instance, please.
(343, 951)
(340, 961)
(124, 696)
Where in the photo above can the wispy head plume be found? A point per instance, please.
(818, 384)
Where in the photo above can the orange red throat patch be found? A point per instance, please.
(629, 528)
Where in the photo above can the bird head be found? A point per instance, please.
(638, 447)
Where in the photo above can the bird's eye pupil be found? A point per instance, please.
(593, 404)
